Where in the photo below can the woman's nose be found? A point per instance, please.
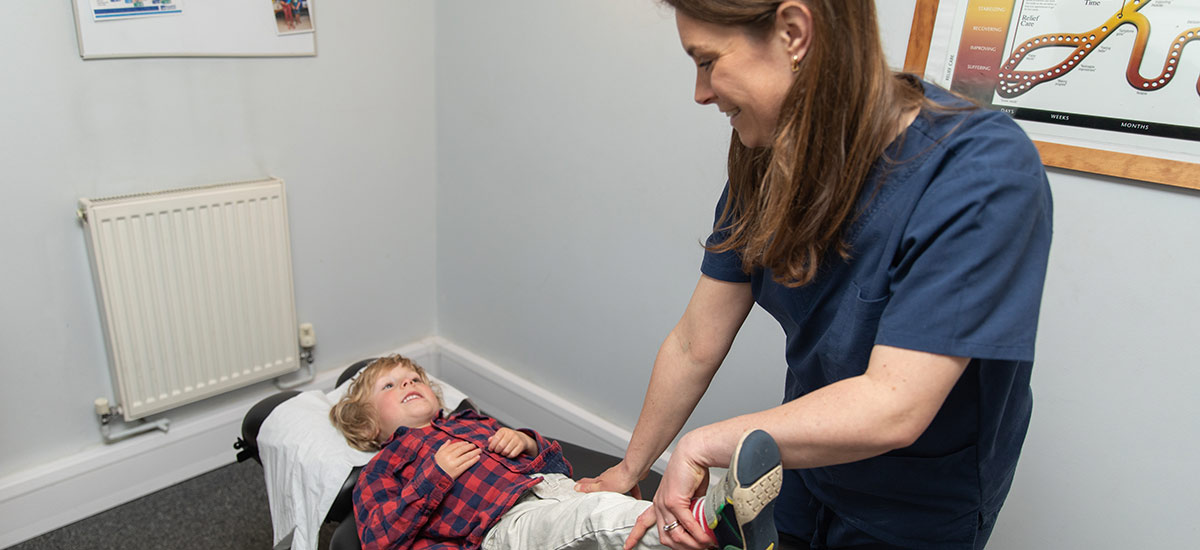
(704, 93)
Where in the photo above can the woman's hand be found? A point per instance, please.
(457, 457)
(686, 479)
(511, 443)
(618, 479)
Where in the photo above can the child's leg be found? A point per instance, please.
(560, 518)
(699, 517)
(741, 507)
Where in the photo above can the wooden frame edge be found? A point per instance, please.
(1122, 165)
(1083, 159)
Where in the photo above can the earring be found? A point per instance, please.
(795, 63)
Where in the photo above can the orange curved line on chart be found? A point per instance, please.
(1014, 83)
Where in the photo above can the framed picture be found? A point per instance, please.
(292, 16)
(193, 28)
(1090, 82)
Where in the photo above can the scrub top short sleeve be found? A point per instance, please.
(723, 266)
(967, 280)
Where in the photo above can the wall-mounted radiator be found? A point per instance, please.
(195, 291)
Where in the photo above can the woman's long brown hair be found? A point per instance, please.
(789, 204)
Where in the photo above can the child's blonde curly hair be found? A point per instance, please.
(356, 418)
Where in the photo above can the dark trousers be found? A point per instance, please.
(828, 531)
(789, 542)
(829, 527)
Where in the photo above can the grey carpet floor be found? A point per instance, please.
(225, 509)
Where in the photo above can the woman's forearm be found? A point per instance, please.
(676, 385)
(887, 408)
(685, 365)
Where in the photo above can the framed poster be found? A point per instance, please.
(125, 9)
(1103, 86)
(194, 28)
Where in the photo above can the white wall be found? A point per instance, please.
(576, 181)
(576, 178)
(351, 131)
(1110, 457)
(573, 179)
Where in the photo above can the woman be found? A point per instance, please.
(899, 235)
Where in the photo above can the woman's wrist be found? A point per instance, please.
(708, 446)
(691, 448)
(630, 469)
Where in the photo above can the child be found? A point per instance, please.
(464, 481)
(287, 14)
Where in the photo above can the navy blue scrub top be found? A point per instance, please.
(948, 256)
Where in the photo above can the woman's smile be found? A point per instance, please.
(735, 68)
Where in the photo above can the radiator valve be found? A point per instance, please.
(308, 336)
(105, 410)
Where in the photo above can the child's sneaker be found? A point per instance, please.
(740, 509)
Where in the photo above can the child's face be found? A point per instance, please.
(402, 400)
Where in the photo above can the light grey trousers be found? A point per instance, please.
(552, 516)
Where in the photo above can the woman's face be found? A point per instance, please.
(746, 76)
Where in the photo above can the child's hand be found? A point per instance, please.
(511, 443)
(457, 457)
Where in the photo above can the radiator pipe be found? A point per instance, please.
(306, 356)
(107, 413)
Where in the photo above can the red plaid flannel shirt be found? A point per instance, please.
(403, 499)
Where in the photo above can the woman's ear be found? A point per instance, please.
(793, 25)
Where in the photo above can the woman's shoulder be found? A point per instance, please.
(945, 109)
(965, 131)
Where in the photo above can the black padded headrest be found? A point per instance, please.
(353, 370)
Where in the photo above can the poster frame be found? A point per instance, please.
(1060, 155)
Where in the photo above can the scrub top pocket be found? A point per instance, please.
(846, 347)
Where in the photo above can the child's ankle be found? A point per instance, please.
(698, 515)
